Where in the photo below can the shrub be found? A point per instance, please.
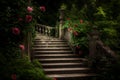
(18, 18)
(23, 69)
(79, 30)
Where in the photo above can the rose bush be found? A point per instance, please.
(18, 18)
(79, 30)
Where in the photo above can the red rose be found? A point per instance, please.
(15, 31)
(22, 47)
(69, 29)
(75, 33)
(28, 18)
(29, 9)
(42, 8)
(81, 21)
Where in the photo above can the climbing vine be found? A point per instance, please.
(18, 18)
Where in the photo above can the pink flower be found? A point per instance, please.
(75, 33)
(29, 9)
(81, 21)
(42, 8)
(14, 77)
(70, 29)
(22, 47)
(28, 18)
(15, 31)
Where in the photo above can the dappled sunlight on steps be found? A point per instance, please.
(59, 61)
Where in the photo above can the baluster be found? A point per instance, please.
(43, 30)
(40, 30)
(49, 32)
(46, 30)
(56, 31)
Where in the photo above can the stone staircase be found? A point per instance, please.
(58, 60)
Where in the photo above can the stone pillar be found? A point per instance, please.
(61, 17)
(27, 43)
(93, 37)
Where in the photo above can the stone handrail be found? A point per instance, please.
(96, 47)
(105, 49)
(45, 30)
(98, 50)
(68, 37)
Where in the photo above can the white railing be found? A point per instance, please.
(46, 30)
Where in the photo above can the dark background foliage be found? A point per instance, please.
(103, 13)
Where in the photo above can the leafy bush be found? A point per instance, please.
(109, 33)
(77, 24)
(18, 19)
(23, 69)
(79, 30)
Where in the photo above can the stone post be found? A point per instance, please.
(27, 43)
(61, 17)
(93, 37)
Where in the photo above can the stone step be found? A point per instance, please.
(52, 46)
(56, 55)
(66, 70)
(75, 76)
(58, 60)
(48, 40)
(55, 52)
(57, 42)
(51, 49)
(50, 43)
(63, 65)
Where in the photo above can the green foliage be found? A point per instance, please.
(24, 69)
(105, 68)
(11, 12)
(105, 14)
(109, 33)
(15, 14)
(63, 6)
(100, 14)
(79, 30)
(110, 72)
(36, 63)
(77, 24)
